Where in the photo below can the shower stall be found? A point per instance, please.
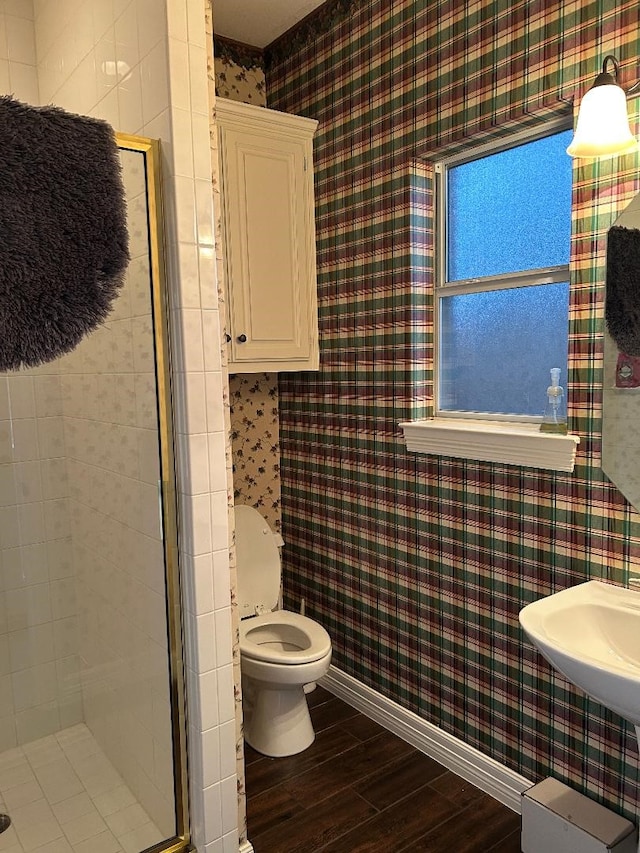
(92, 751)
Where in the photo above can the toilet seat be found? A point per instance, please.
(283, 637)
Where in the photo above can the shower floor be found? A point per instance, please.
(63, 795)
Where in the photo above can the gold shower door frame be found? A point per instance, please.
(150, 148)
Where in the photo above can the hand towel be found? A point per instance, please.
(63, 232)
(622, 302)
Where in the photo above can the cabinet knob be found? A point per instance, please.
(242, 338)
(227, 337)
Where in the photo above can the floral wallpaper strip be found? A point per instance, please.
(239, 73)
(256, 443)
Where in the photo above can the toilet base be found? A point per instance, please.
(277, 722)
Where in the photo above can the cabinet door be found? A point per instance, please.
(270, 247)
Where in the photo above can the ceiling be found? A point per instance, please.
(258, 22)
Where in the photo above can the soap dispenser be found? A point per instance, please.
(554, 419)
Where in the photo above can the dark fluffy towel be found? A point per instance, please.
(622, 305)
(63, 233)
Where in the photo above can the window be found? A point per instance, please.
(504, 227)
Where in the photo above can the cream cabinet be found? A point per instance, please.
(269, 238)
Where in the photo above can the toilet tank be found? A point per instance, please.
(258, 562)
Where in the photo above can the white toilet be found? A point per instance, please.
(280, 651)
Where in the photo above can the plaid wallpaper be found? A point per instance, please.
(418, 565)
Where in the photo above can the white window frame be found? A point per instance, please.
(492, 437)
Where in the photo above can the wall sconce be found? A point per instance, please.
(603, 128)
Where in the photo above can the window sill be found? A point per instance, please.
(487, 441)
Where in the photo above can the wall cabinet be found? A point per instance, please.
(269, 238)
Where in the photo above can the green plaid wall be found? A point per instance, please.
(418, 565)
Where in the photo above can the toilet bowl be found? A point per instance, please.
(280, 651)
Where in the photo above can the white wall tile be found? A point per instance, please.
(229, 803)
(217, 472)
(197, 525)
(185, 209)
(20, 8)
(198, 79)
(126, 36)
(211, 333)
(219, 521)
(227, 749)
(182, 149)
(226, 704)
(155, 81)
(215, 401)
(207, 652)
(103, 18)
(23, 83)
(195, 21)
(210, 749)
(186, 293)
(189, 339)
(193, 450)
(209, 691)
(22, 401)
(4, 50)
(213, 811)
(221, 591)
(131, 115)
(223, 638)
(105, 64)
(204, 208)
(152, 26)
(177, 21)
(179, 75)
(201, 151)
(230, 842)
(21, 45)
(193, 417)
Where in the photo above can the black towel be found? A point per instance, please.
(622, 303)
(63, 232)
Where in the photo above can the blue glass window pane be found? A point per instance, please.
(499, 346)
(511, 210)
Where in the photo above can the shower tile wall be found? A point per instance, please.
(38, 662)
(79, 45)
(39, 690)
(18, 74)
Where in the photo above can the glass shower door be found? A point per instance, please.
(92, 751)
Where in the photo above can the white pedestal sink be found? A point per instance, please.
(591, 634)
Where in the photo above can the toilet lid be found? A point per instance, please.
(258, 562)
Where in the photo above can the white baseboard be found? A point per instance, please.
(246, 847)
(485, 773)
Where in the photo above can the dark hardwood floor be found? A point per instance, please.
(360, 788)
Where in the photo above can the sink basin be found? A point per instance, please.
(591, 634)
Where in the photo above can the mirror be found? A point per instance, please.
(621, 392)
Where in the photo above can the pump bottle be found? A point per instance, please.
(554, 419)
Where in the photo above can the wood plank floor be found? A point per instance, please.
(360, 789)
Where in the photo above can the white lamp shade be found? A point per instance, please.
(603, 124)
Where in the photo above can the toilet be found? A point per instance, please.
(280, 651)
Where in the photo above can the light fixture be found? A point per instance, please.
(603, 124)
